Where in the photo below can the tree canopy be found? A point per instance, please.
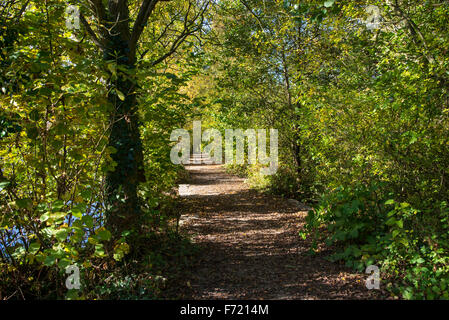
(358, 91)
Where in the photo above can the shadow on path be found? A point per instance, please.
(251, 248)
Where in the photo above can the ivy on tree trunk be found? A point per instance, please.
(118, 42)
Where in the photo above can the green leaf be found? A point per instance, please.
(34, 248)
(57, 205)
(420, 260)
(120, 95)
(86, 194)
(88, 221)
(126, 233)
(64, 263)
(92, 240)
(99, 250)
(44, 217)
(112, 68)
(329, 3)
(391, 221)
(413, 138)
(34, 115)
(61, 235)
(72, 294)
(436, 290)
(408, 294)
(4, 185)
(391, 213)
(76, 212)
(24, 203)
(104, 235)
(58, 215)
(50, 260)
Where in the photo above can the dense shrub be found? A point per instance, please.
(367, 228)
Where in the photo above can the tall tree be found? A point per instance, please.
(119, 42)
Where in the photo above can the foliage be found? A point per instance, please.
(409, 245)
(362, 118)
(56, 155)
(86, 117)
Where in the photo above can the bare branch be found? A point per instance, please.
(99, 10)
(145, 11)
(92, 34)
(190, 28)
(261, 24)
(144, 14)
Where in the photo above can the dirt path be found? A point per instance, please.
(251, 248)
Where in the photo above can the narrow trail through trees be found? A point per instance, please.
(250, 247)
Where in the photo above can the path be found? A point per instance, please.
(251, 248)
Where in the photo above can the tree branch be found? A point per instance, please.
(99, 10)
(144, 14)
(186, 32)
(92, 34)
(253, 14)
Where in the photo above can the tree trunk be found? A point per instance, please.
(297, 151)
(123, 207)
(118, 43)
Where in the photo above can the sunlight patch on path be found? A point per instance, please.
(184, 190)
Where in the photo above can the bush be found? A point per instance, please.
(366, 229)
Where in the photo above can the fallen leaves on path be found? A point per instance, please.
(250, 247)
